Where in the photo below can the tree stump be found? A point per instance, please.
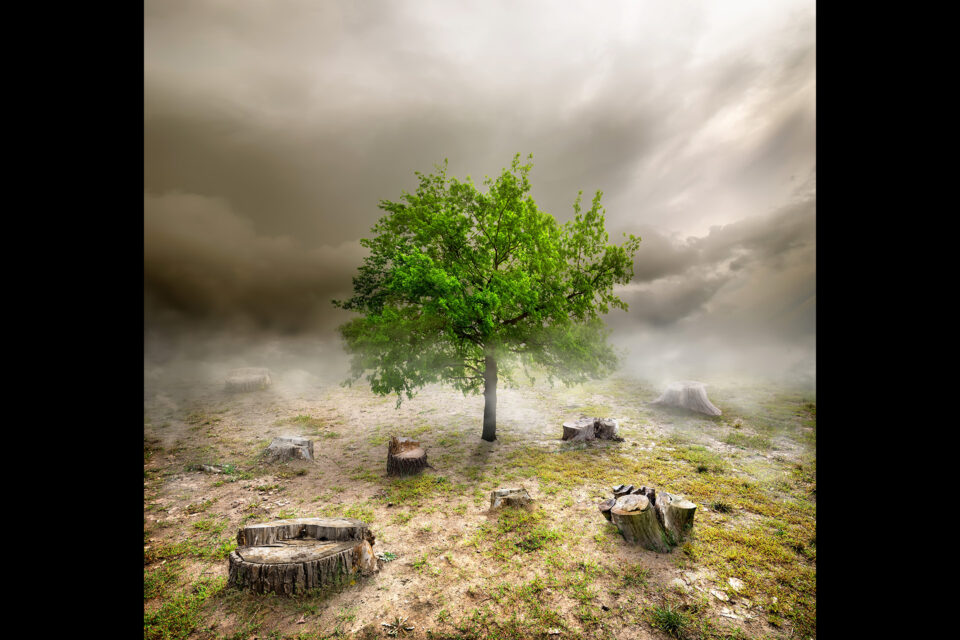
(687, 395)
(590, 429)
(675, 514)
(656, 521)
(248, 379)
(579, 430)
(405, 456)
(637, 521)
(509, 498)
(289, 448)
(291, 556)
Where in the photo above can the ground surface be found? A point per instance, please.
(559, 571)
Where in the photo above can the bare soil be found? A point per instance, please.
(453, 575)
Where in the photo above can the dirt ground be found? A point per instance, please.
(560, 571)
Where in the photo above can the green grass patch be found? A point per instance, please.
(157, 582)
(670, 619)
(516, 531)
(179, 616)
(414, 490)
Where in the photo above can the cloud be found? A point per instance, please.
(272, 131)
(204, 263)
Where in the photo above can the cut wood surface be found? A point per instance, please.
(289, 448)
(405, 456)
(336, 529)
(291, 556)
(654, 520)
(248, 379)
(689, 395)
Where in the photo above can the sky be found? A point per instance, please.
(272, 129)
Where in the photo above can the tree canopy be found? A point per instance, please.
(462, 285)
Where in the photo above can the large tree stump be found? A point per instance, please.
(590, 429)
(656, 521)
(289, 448)
(509, 498)
(405, 456)
(579, 430)
(291, 556)
(248, 379)
(687, 395)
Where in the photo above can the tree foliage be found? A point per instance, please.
(456, 276)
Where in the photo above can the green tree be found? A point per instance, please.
(462, 286)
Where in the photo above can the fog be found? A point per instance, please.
(272, 131)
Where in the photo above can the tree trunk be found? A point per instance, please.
(490, 398)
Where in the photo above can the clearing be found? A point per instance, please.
(560, 571)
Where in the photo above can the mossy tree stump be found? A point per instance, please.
(405, 456)
(292, 556)
(655, 520)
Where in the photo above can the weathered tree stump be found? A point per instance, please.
(637, 521)
(291, 556)
(579, 430)
(405, 456)
(248, 379)
(289, 448)
(590, 429)
(509, 498)
(687, 395)
(675, 514)
(656, 521)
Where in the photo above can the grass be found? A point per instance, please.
(669, 619)
(557, 570)
(179, 616)
(158, 582)
(516, 531)
(744, 441)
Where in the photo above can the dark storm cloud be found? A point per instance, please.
(203, 262)
(766, 264)
(272, 130)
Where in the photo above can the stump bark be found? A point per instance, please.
(289, 448)
(405, 456)
(637, 520)
(509, 498)
(579, 430)
(687, 395)
(291, 556)
(590, 429)
(655, 520)
(248, 379)
(675, 514)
